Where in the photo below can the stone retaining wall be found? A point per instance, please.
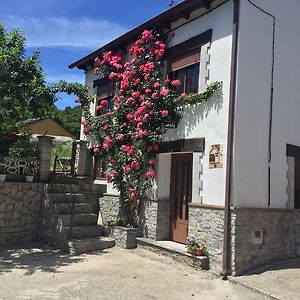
(20, 205)
(206, 224)
(280, 236)
(154, 215)
(108, 208)
(155, 219)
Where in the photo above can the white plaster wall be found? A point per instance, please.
(210, 120)
(89, 79)
(250, 170)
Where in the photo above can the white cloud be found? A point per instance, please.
(62, 32)
(53, 78)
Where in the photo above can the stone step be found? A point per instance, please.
(174, 250)
(82, 232)
(78, 219)
(81, 197)
(78, 246)
(78, 208)
(62, 188)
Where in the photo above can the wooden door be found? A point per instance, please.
(180, 195)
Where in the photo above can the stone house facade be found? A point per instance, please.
(228, 174)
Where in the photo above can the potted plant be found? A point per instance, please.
(2, 173)
(29, 173)
(195, 248)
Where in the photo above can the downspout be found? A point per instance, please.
(230, 131)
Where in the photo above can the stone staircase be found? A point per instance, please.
(71, 214)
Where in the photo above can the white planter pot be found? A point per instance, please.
(2, 177)
(29, 178)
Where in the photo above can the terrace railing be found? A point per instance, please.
(19, 166)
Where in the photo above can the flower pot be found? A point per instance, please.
(2, 177)
(29, 178)
(198, 251)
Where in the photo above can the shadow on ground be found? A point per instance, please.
(293, 263)
(35, 257)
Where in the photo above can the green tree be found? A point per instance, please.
(70, 117)
(24, 93)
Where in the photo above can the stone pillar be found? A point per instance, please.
(45, 149)
(83, 157)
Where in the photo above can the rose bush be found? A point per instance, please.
(144, 106)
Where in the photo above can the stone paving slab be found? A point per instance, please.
(42, 273)
(279, 281)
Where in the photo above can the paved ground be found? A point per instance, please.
(280, 280)
(36, 273)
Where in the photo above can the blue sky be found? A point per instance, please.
(65, 30)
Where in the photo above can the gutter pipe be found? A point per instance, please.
(230, 131)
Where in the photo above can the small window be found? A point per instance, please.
(186, 68)
(105, 92)
(100, 168)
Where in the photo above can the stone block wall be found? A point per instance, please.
(154, 215)
(108, 208)
(155, 219)
(280, 236)
(206, 224)
(20, 206)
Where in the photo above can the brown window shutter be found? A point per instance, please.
(105, 91)
(184, 60)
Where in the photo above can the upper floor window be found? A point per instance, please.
(105, 94)
(186, 68)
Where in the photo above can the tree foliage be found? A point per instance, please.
(24, 93)
(70, 117)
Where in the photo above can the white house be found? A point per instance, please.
(233, 164)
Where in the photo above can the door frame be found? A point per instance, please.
(172, 187)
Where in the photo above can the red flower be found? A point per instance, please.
(120, 137)
(135, 165)
(112, 75)
(147, 35)
(104, 102)
(164, 113)
(129, 117)
(115, 173)
(175, 82)
(164, 92)
(156, 85)
(155, 147)
(151, 173)
(136, 81)
(127, 169)
(135, 94)
(13, 137)
(96, 149)
(154, 95)
(86, 130)
(83, 122)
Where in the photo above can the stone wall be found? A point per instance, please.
(155, 219)
(206, 224)
(20, 205)
(280, 236)
(108, 208)
(154, 215)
